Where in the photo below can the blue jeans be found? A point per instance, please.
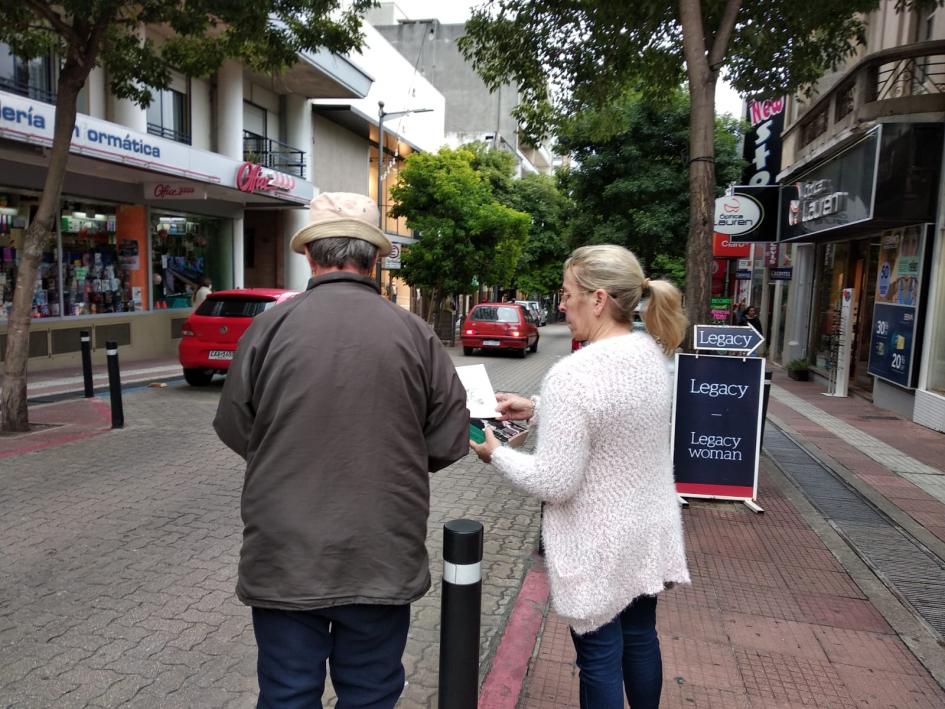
(623, 655)
(363, 645)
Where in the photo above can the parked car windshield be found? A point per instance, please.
(495, 314)
(234, 308)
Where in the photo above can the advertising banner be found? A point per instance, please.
(762, 150)
(717, 410)
(835, 194)
(749, 214)
(723, 247)
(895, 309)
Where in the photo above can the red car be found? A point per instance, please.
(210, 335)
(500, 326)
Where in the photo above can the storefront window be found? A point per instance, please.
(828, 289)
(15, 214)
(184, 249)
(95, 277)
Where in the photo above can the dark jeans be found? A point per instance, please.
(623, 655)
(363, 645)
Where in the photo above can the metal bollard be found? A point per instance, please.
(87, 362)
(764, 403)
(114, 385)
(459, 614)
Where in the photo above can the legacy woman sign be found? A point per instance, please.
(717, 410)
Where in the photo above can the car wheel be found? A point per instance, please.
(198, 377)
(534, 348)
(467, 351)
(522, 352)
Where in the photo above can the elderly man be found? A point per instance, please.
(341, 402)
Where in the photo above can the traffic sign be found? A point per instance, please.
(728, 338)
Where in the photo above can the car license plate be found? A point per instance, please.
(221, 354)
(490, 343)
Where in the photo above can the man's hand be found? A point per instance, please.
(513, 407)
(485, 449)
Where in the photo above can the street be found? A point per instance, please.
(118, 566)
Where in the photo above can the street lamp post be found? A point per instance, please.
(381, 115)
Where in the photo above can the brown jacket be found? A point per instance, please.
(340, 402)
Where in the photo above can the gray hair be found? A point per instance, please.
(339, 251)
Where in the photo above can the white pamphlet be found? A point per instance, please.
(480, 396)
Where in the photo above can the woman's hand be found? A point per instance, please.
(484, 450)
(513, 407)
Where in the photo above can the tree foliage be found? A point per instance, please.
(464, 234)
(569, 55)
(539, 268)
(630, 182)
(196, 37)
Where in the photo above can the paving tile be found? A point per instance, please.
(838, 612)
(773, 679)
(773, 635)
(685, 694)
(700, 663)
(675, 619)
(832, 583)
(868, 650)
(879, 688)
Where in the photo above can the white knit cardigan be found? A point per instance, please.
(612, 524)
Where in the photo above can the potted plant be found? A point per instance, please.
(798, 369)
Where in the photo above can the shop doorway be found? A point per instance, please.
(263, 251)
(864, 254)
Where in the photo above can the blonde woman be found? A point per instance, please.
(612, 526)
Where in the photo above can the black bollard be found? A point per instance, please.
(764, 403)
(86, 362)
(114, 385)
(459, 614)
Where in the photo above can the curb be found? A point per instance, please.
(503, 685)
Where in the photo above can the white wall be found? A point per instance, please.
(341, 159)
(400, 88)
(200, 114)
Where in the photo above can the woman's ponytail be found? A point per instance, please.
(664, 317)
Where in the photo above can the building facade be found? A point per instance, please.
(473, 113)
(210, 180)
(862, 220)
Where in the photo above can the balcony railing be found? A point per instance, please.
(273, 154)
(169, 133)
(17, 87)
(897, 81)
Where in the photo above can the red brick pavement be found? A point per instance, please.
(771, 620)
(58, 423)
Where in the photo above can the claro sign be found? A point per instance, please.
(251, 177)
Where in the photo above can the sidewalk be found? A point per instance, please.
(785, 609)
(59, 413)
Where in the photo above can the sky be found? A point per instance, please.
(451, 11)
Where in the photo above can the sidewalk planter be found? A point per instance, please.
(797, 369)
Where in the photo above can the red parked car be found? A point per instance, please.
(210, 335)
(500, 326)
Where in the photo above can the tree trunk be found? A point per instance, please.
(701, 199)
(13, 410)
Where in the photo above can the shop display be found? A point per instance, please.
(93, 273)
(179, 253)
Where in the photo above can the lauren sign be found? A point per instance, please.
(737, 214)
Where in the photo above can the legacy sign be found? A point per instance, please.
(717, 425)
